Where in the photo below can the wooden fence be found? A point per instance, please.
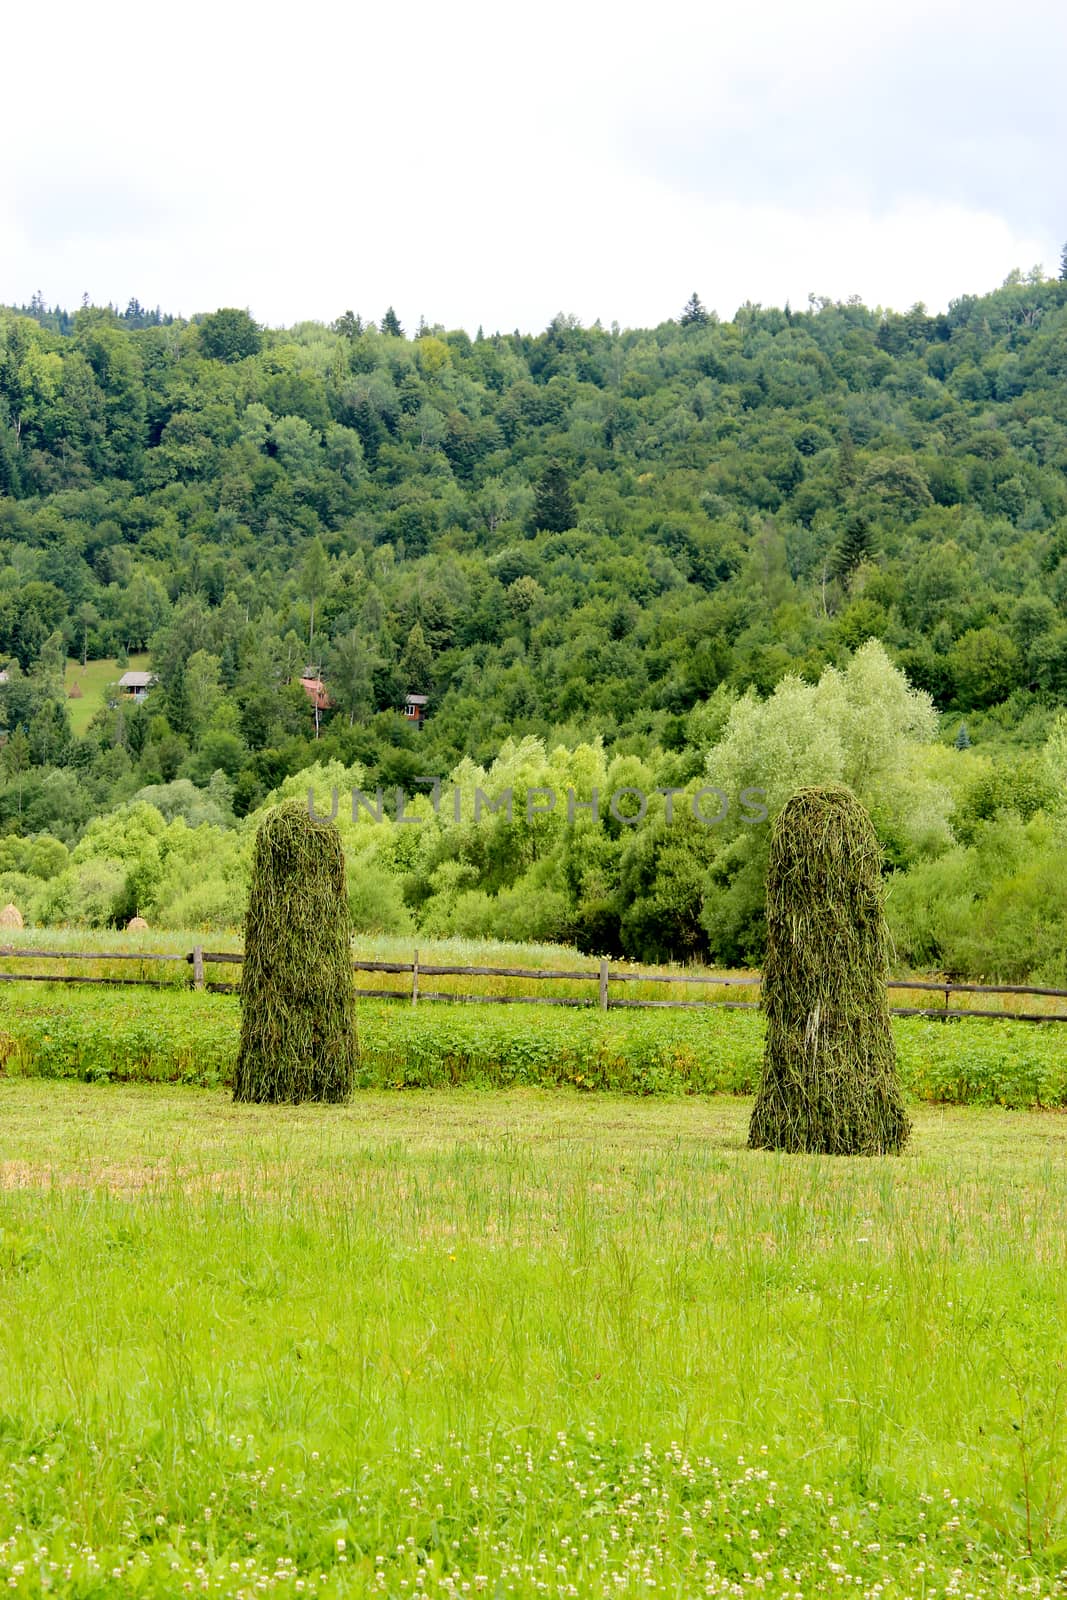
(603, 975)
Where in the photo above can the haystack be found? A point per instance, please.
(75, 692)
(11, 917)
(830, 1081)
(298, 1034)
(137, 925)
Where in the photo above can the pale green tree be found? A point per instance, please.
(203, 689)
(314, 575)
(350, 674)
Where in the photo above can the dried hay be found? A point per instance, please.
(298, 1033)
(11, 917)
(137, 925)
(830, 1081)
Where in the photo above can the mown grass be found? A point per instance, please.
(177, 1036)
(523, 1344)
(92, 680)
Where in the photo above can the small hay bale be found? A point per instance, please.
(11, 917)
(137, 925)
(75, 692)
(830, 1081)
(298, 1031)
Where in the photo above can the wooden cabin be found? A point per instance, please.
(135, 685)
(415, 708)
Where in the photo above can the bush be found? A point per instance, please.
(177, 1036)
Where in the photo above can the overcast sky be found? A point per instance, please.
(476, 163)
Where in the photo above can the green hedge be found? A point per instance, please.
(181, 1037)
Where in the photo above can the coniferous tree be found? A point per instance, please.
(1063, 265)
(695, 315)
(416, 662)
(856, 546)
(10, 477)
(553, 503)
(391, 324)
(963, 738)
(846, 461)
(229, 663)
(180, 712)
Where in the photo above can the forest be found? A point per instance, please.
(799, 545)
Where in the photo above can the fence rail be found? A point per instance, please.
(603, 975)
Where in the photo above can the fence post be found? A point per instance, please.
(947, 991)
(603, 985)
(198, 967)
(415, 980)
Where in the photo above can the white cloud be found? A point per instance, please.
(478, 165)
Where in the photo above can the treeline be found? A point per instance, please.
(585, 535)
(656, 856)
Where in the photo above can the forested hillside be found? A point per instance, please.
(644, 550)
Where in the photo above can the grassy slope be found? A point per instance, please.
(93, 680)
(531, 1343)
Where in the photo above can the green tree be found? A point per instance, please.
(391, 325)
(350, 675)
(416, 662)
(88, 617)
(348, 325)
(855, 546)
(985, 665)
(694, 315)
(229, 335)
(179, 701)
(16, 760)
(203, 689)
(522, 595)
(50, 736)
(846, 469)
(314, 574)
(553, 503)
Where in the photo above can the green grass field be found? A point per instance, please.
(92, 680)
(523, 1343)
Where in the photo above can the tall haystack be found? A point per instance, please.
(830, 1080)
(298, 1032)
(11, 917)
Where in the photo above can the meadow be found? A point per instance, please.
(92, 680)
(523, 1343)
(501, 1334)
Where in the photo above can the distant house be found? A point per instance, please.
(315, 690)
(415, 708)
(135, 685)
